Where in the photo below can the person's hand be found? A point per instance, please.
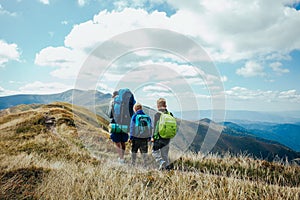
(152, 139)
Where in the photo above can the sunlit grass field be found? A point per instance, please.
(66, 162)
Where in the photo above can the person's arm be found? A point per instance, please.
(132, 125)
(171, 114)
(151, 128)
(156, 118)
(131, 104)
(110, 110)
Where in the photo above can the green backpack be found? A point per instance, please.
(167, 126)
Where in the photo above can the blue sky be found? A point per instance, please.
(255, 46)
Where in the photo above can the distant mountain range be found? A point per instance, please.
(94, 97)
(286, 134)
(243, 116)
(238, 140)
(231, 140)
(83, 98)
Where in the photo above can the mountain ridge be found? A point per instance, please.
(236, 142)
(242, 116)
(66, 96)
(101, 100)
(97, 98)
(286, 134)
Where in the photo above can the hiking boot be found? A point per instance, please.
(162, 165)
(121, 161)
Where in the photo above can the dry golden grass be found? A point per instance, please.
(79, 162)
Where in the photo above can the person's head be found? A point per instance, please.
(115, 93)
(161, 103)
(137, 107)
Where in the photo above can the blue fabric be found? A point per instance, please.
(123, 107)
(119, 137)
(132, 124)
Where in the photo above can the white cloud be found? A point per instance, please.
(251, 69)
(241, 93)
(237, 30)
(6, 12)
(155, 88)
(46, 2)
(159, 94)
(55, 56)
(38, 87)
(104, 88)
(64, 22)
(4, 92)
(276, 67)
(122, 4)
(290, 95)
(67, 60)
(224, 79)
(81, 2)
(108, 24)
(8, 52)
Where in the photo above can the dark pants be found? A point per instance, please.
(160, 143)
(139, 144)
(160, 150)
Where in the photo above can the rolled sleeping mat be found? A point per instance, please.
(118, 128)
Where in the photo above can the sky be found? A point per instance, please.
(253, 47)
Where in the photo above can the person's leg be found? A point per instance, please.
(119, 150)
(134, 150)
(123, 139)
(165, 153)
(116, 138)
(156, 153)
(144, 151)
(123, 146)
(165, 150)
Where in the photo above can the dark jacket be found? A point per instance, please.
(132, 125)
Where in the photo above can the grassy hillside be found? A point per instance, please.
(73, 158)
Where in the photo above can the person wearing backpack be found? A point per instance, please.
(111, 107)
(120, 112)
(140, 133)
(165, 128)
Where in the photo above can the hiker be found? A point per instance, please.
(140, 133)
(120, 112)
(164, 129)
(111, 106)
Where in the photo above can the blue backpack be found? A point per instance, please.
(142, 126)
(123, 107)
